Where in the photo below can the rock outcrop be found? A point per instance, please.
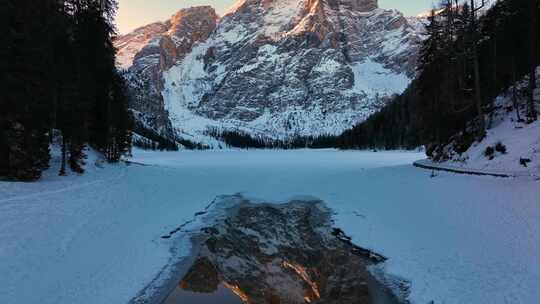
(150, 50)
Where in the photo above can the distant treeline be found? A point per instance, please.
(394, 127)
(57, 69)
(468, 59)
(239, 139)
(150, 140)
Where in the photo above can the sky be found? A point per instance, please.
(135, 13)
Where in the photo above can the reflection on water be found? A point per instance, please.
(222, 296)
(262, 253)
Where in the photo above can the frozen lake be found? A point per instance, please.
(96, 238)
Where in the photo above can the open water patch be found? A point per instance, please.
(257, 252)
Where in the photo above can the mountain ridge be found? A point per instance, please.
(278, 68)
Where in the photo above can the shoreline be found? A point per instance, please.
(167, 279)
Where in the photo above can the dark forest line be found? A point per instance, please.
(57, 64)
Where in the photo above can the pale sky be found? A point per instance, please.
(135, 13)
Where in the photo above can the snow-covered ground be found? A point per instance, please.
(96, 238)
(521, 140)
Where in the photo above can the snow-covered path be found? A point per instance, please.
(96, 238)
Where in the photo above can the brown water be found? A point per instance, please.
(222, 295)
(378, 294)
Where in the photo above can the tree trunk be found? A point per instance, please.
(514, 90)
(531, 113)
(477, 95)
(481, 128)
(63, 164)
(494, 86)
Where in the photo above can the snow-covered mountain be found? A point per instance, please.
(278, 68)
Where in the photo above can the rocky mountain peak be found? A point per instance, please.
(196, 20)
(148, 51)
(275, 68)
(355, 5)
(176, 36)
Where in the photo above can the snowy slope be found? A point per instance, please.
(96, 238)
(521, 140)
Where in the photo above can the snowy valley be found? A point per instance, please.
(282, 152)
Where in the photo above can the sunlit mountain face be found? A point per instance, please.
(278, 69)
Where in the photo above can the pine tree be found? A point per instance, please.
(58, 65)
(26, 99)
(429, 69)
(108, 121)
(532, 7)
(475, 7)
